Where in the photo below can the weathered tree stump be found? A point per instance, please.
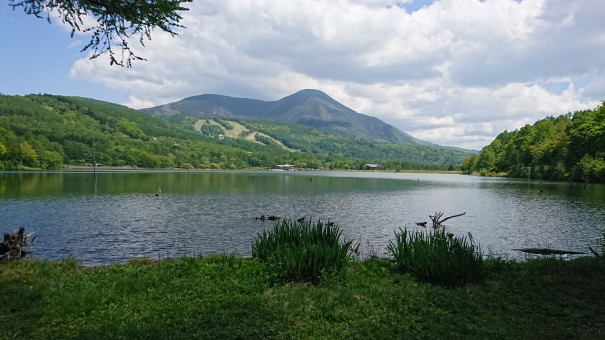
(437, 218)
(14, 246)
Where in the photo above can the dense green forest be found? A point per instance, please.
(568, 147)
(45, 132)
(48, 131)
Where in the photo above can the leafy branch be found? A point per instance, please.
(116, 20)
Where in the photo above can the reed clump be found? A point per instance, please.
(600, 251)
(436, 257)
(301, 251)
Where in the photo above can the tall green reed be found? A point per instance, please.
(600, 251)
(436, 257)
(301, 251)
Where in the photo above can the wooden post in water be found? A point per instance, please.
(94, 164)
(94, 158)
(541, 188)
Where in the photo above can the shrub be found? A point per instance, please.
(435, 257)
(301, 251)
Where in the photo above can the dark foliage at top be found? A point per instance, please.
(115, 20)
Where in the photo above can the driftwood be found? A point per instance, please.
(547, 251)
(13, 246)
(438, 220)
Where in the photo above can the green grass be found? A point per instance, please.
(213, 297)
(435, 257)
(225, 297)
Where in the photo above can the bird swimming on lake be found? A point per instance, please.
(270, 218)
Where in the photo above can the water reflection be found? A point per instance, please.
(213, 212)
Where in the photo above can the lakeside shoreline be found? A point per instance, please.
(90, 168)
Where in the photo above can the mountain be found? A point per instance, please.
(312, 108)
(49, 131)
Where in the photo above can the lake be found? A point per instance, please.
(157, 214)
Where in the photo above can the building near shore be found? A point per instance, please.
(286, 167)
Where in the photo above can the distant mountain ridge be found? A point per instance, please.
(312, 108)
(50, 131)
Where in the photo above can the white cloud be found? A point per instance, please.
(454, 72)
(595, 90)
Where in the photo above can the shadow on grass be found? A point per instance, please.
(544, 298)
(235, 318)
(21, 298)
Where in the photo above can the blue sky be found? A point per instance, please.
(35, 57)
(452, 72)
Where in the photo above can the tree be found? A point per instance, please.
(470, 164)
(570, 146)
(28, 155)
(2, 151)
(487, 158)
(115, 20)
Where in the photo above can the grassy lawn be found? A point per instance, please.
(225, 297)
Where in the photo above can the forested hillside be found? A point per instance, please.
(45, 132)
(315, 141)
(568, 147)
(48, 131)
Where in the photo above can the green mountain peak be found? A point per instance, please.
(309, 107)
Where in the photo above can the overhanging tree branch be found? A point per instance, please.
(115, 20)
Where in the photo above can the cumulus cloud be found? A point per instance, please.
(453, 72)
(595, 90)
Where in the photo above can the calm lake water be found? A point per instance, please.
(214, 212)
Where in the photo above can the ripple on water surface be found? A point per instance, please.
(206, 213)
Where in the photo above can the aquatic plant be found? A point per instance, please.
(301, 251)
(436, 257)
(600, 244)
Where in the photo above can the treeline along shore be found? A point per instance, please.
(569, 147)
